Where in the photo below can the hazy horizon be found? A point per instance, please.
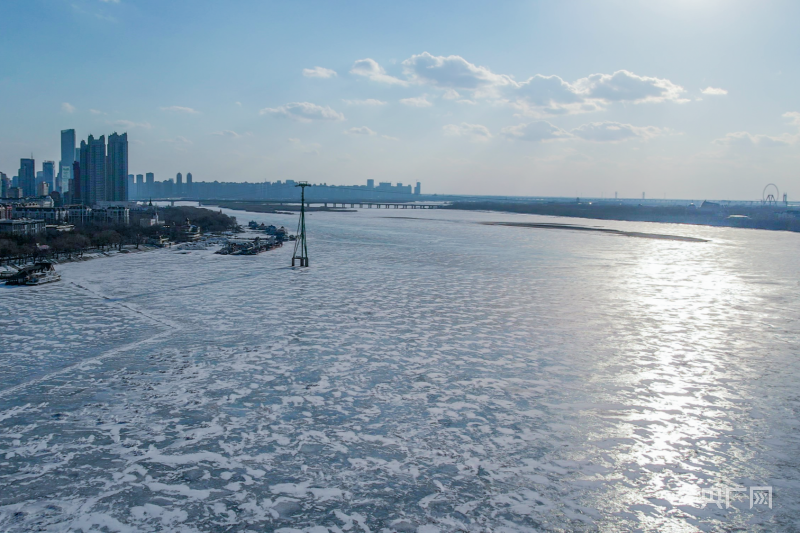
(678, 99)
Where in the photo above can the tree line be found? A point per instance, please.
(54, 244)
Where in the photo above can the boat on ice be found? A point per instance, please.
(36, 274)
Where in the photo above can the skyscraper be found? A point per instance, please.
(68, 156)
(75, 188)
(188, 183)
(5, 185)
(27, 176)
(49, 174)
(93, 170)
(139, 186)
(151, 180)
(117, 171)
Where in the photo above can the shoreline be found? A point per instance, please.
(760, 217)
(608, 231)
(87, 256)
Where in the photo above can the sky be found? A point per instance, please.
(689, 99)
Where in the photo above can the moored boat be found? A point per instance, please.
(36, 274)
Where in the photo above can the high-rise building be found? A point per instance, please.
(27, 176)
(68, 156)
(49, 174)
(150, 180)
(131, 186)
(139, 187)
(93, 170)
(5, 185)
(370, 184)
(117, 169)
(75, 188)
(43, 189)
(418, 189)
(188, 183)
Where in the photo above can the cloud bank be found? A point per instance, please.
(303, 112)
(319, 72)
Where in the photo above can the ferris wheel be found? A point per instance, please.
(770, 194)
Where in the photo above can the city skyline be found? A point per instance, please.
(680, 99)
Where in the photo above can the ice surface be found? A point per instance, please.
(423, 375)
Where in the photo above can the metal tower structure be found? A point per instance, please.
(300, 246)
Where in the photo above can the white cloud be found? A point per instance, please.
(369, 68)
(615, 132)
(453, 73)
(67, 108)
(238, 104)
(714, 91)
(469, 102)
(227, 133)
(389, 138)
(180, 109)
(96, 112)
(473, 132)
(793, 116)
(535, 131)
(539, 94)
(419, 101)
(319, 72)
(303, 112)
(545, 90)
(624, 86)
(110, 1)
(131, 124)
(367, 102)
(362, 130)
(745, 139)
(179, 142)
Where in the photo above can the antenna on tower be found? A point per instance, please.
(300, 246)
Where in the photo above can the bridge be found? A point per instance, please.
(377, 205)
(371, 204)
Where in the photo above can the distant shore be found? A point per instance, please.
(608, 231)
(776, 218)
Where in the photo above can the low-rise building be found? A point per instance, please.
(22, 226)
(79, 214)
(51, 215)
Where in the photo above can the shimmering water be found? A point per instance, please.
(425, 374)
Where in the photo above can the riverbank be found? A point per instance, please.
(86, 256)
(776, 218)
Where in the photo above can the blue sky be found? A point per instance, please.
(690, 99)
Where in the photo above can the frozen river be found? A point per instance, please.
(427, 373)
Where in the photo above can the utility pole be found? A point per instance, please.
(300, 246)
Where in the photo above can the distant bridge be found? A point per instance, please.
(377, 205)
(333, 204)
